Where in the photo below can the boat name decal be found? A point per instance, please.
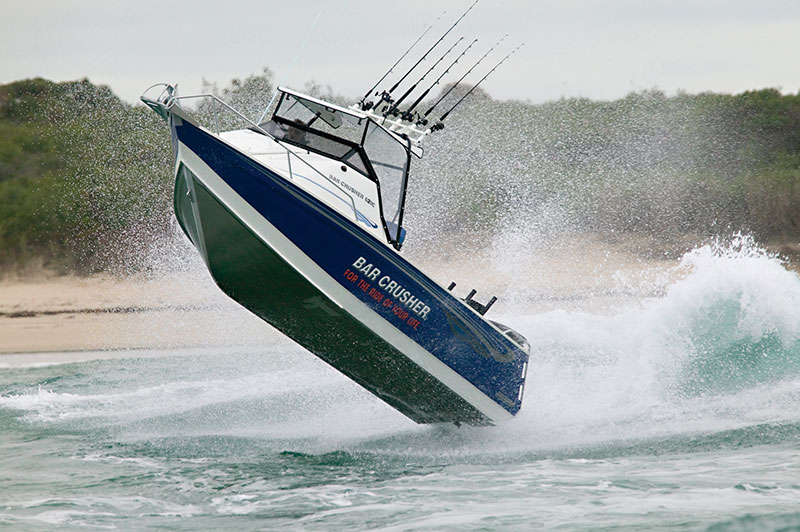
(350, 188)
(405, 306)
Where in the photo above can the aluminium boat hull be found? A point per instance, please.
(311, 273)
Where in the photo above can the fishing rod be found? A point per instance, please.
(393, 109)
(423, 121)
(407, 113)
(440, 125)
(368, 106)
(386, 96)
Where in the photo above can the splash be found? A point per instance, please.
(720, 346)
(741, 315)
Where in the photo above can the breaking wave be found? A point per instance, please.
(717, 348)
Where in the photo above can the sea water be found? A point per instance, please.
(675, 407)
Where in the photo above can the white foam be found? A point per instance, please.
(595, 376)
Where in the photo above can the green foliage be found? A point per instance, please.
(80, 173)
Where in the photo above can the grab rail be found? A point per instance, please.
(167, 98)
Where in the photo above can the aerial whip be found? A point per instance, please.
(299, 51)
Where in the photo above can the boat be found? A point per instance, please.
(299, 219)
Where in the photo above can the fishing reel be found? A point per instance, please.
(411, 117)
(383, 97)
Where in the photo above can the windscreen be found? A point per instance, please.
(319, 128)
(389, 158)
(321, 118)
(342, 135)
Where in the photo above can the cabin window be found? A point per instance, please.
(312, 115)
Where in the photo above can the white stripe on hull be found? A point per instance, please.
(334, 291)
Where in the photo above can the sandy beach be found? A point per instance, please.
(69, 313)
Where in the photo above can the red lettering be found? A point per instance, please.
(400, 312)
(376, 295)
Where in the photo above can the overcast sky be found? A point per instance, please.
(597, 49)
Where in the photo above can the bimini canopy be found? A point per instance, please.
(352, 138)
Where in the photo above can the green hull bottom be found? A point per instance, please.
(255, 276)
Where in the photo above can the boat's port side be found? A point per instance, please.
(257, 276)
(247, 182)
(442, 335)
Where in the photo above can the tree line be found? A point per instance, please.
(86, 179)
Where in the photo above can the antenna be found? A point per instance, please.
(367, 106)
(386, 95)
(310, 31)
(393, 108)
(439, 125)
(423, 121)
(407, 113)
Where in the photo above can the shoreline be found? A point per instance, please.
(103, 313)
(45, 313)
